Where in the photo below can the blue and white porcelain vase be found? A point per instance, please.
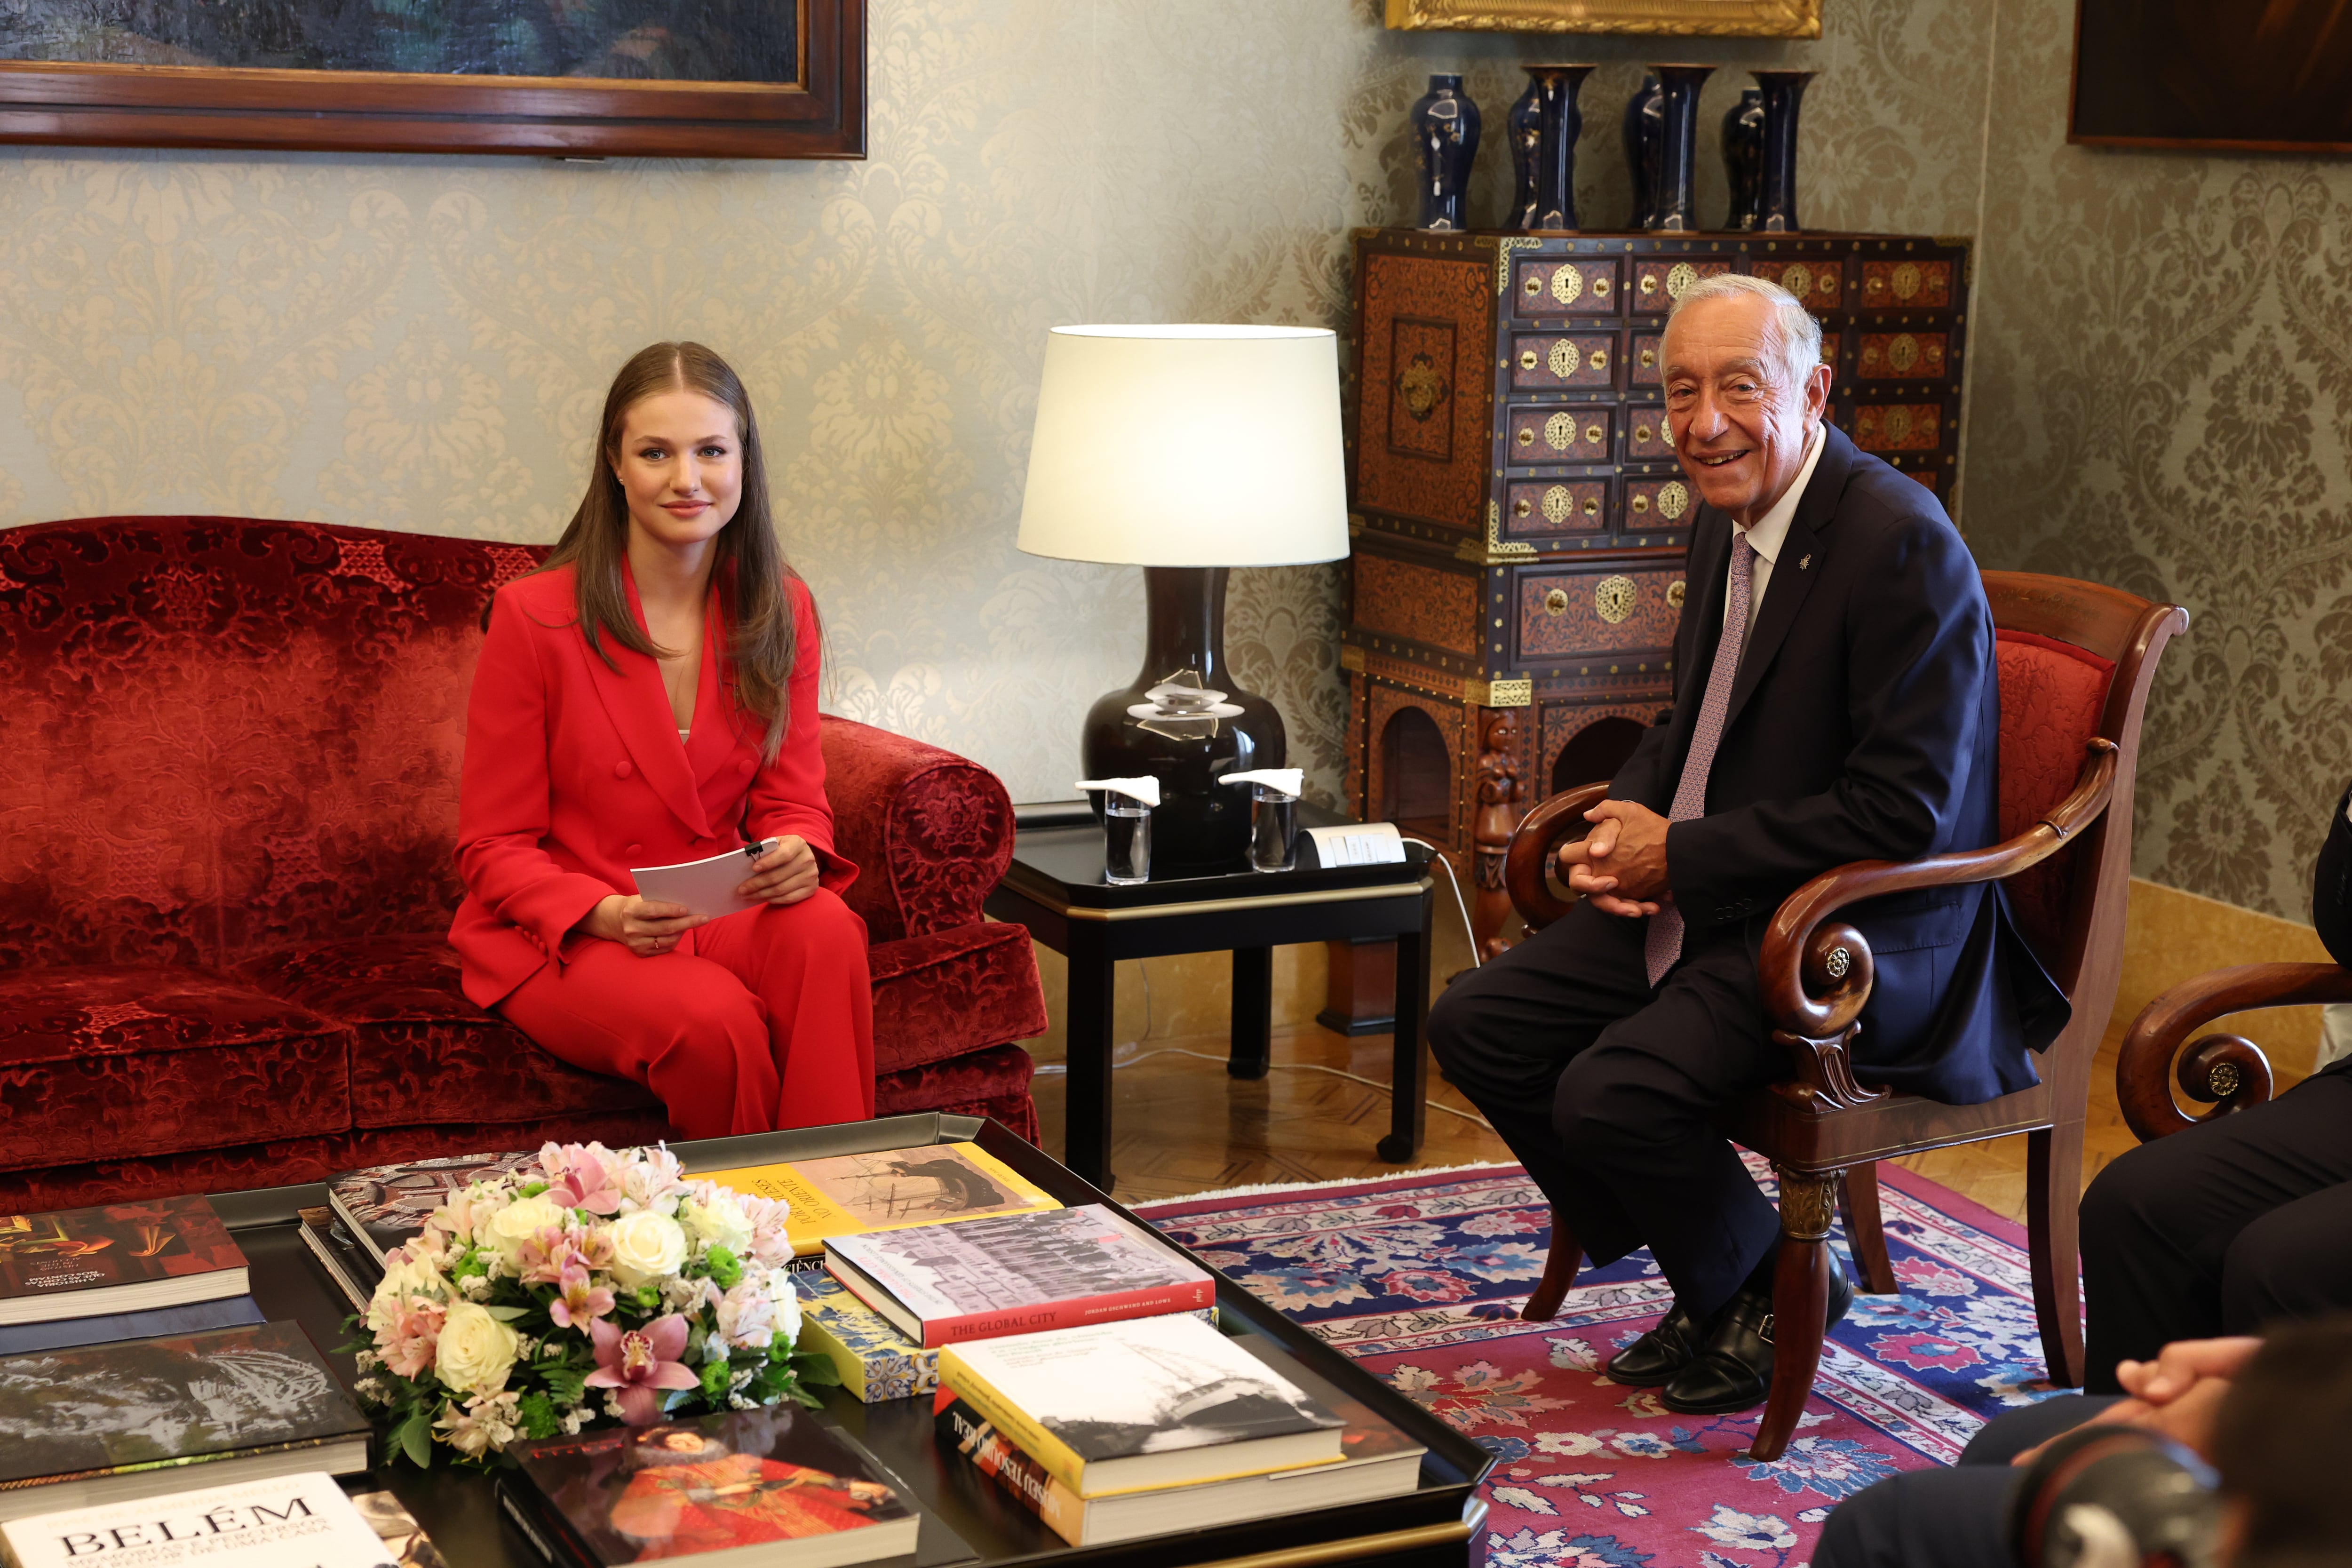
(1674, 192)
(1445, 134)
(1545, 124)
(1743, 157)
(1643, 112)
(1776, 195)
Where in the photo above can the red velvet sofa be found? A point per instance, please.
(228, 799)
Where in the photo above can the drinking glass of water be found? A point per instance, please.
(1127, 841)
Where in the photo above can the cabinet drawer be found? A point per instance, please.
(1660, 280)
(1555, 506)
(1895, 356)
(1571, 286)
(1645, 360)
(1545, 360)
(1663, 502)
(1820, 284)
(1906, 285)
(1597, 611)
(1557, 436)
(1898, 426)
(1646, 435)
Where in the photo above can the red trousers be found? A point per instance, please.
(760, 1021)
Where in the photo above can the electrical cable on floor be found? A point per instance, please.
(1460, 907)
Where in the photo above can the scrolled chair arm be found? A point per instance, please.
(2228, 1072)
(1534, 844)
(1816, 972)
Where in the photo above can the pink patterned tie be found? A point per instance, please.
(1663, 943)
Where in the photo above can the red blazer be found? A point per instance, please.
(574, 772)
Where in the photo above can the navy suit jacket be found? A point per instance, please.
(1864, 725)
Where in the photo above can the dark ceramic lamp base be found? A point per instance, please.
(1200, 825)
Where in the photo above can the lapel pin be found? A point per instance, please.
(1804, 560)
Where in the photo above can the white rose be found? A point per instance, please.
(720, 1222)
(647, 1245)
(476, 1349)
(516, 1223)
(402, 1277)
(788, 1305)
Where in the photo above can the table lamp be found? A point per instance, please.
(1187, 451)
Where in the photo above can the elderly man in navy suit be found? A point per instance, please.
(1836, 700)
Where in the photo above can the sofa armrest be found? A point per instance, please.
(931, 832)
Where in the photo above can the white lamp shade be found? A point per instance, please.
(1188, 446)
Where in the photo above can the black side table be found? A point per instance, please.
(1056, 888)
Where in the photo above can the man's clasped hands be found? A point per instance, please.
(1620, 868)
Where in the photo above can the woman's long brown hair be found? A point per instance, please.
(749, 572)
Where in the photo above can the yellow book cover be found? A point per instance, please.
(886, 1189)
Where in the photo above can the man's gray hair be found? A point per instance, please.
(1792, 348)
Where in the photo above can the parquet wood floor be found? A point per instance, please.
(1181, 1126)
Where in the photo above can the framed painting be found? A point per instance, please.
(1682, 19)
(2256, 76)
(700, 79)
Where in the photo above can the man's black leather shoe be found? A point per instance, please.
(1733, 1369)
(1656, 1356)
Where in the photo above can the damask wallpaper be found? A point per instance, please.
(423, 342)
(2161, 391)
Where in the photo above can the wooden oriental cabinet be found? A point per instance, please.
(1521, 520)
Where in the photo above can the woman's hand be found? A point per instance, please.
(646, 927)
(785, 875)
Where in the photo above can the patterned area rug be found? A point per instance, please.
(1420, 1277)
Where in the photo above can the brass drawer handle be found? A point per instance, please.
(1526, 436)
(1535, 284)
(1649, 282)
(1600, 359)
(1649, 359)
(1522, 507)
(1592, 506)
(1674, 594)
(1641, 503)
(1556, 602)
(1601, 288)
(1592, 434)
(1527, 358)
(1641, 434)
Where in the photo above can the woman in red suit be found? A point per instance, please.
(650, 697)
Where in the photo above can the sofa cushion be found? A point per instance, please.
(422, 1054)
(993, 1082)
(940, 996)
(123, 1060)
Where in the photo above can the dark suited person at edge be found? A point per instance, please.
(1836, 700)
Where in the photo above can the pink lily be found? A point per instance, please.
(579, 1305)
(579, 1178)
(638, 1362)
(542, 1259)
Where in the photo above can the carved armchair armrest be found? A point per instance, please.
(1816, 972)
(2228, 1072)
(1536, 844)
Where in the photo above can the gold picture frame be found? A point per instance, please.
(1678, 18)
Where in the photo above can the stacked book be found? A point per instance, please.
(1113, 1431)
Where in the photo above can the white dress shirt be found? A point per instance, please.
(1769, 534)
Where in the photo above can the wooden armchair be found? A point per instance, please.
(2228, 1072)
(2076, 663)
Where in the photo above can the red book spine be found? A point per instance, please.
(1184, 1296)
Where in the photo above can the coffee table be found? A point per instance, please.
(967, 1519)
(1056, 888)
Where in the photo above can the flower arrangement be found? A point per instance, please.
(598, 1286)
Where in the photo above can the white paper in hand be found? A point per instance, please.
(705, 887)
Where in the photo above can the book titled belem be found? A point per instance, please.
(771, 1487)
(1018, 1274)
(119, 1257)
(885, 1189)
(1137, 1406)
(106, 1424)
(302, 1521)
